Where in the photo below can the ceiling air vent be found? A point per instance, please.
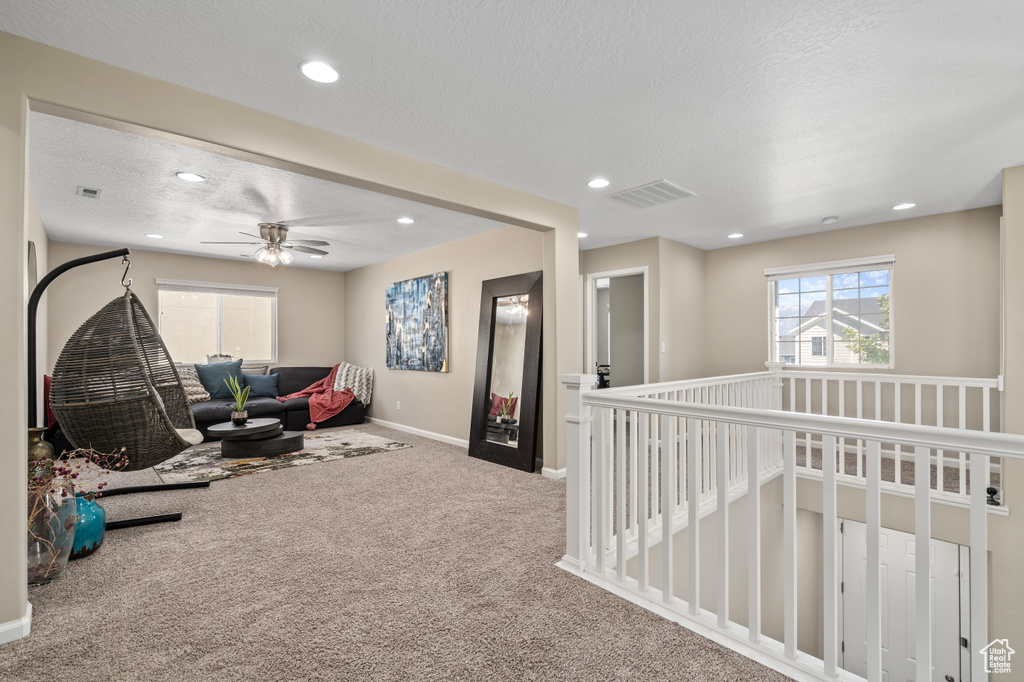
(88, 192)
(651, 194)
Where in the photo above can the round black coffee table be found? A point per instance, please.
(263, 437)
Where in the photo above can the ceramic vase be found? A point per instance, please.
(51, 532)
(90, 528)
(239, 418)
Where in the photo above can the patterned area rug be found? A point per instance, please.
(205, 463)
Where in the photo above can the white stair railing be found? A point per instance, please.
(643, 467)
(957, 402)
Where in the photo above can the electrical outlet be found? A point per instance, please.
(398, 404)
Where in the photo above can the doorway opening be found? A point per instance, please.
(618, 324)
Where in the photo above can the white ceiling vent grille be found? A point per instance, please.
(88, 192)
(651, 194)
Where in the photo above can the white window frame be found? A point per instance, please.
(219, 288)
(828, 269)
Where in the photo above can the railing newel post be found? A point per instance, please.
(578, 439)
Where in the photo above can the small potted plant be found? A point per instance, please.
(508, 408)
(238, 415)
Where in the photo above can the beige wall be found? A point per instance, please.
(947, 262)
(681, 311)
(47, 75)
(1006, 534)
(434, 401)
(310, 316)
(676, 275)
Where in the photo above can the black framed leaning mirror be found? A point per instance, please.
(507, 387)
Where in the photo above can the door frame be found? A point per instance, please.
(590, 353)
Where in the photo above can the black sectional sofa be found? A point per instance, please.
(294, 413)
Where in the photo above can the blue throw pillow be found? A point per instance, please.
(212, 377)
(261, 386)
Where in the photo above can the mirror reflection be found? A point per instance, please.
(506, 384)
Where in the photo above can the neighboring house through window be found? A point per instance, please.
(197, 319)
(834, 314)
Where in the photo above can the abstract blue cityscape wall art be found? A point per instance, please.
(416, 326)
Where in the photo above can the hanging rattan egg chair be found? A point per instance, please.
(114, 385)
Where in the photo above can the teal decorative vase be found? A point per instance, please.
(92, 523)
(51, 532)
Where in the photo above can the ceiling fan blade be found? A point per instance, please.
(308, 242)
(319, 221)
(305, 249)
(248, 243)
(247, 234)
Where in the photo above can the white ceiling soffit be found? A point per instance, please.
(775, 114)
(140, 195)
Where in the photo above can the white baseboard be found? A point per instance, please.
(553, 473)
(421, 432)
(16, 629)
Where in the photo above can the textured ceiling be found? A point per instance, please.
(140, 195)
(775, 114)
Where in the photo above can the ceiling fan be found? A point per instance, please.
(275, 247)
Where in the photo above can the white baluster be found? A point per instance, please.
(643, 571)
(979, 564)
(620, 496)
(962, 485)
(922, 560)
(940, 419)
(634, 455)
(753, 538)
(830, 547)
(693, 463)
(722, 461)
(873, 516)
(789, 543)
(667, 505)
(898, 417)
(600, 496)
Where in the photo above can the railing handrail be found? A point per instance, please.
(990, 443)
(830, 373)
(682, 384)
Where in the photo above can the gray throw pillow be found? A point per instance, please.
(194, 390)
(261, 369)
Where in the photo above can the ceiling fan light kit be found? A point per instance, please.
(276, 247)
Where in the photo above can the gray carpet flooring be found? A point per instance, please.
(418, 564)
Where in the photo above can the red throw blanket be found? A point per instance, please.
(324, 401)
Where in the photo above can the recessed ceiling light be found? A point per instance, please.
(581, 235)
(191, 177)
(315, 255)
(598, 183)
(406, 221)
(319, 72)
(735, 235)
(830, 220)
(155, 236)
(903, 207)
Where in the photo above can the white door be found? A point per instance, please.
(899, 643)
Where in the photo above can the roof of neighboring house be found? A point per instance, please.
(846, 314)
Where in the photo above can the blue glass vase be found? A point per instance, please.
(92, 523)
